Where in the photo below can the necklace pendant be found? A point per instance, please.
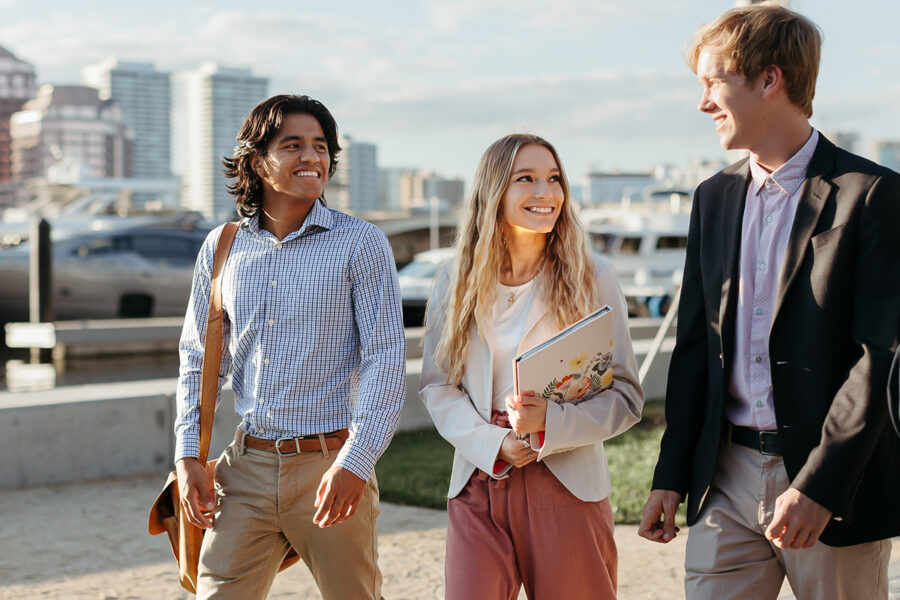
(510, 299)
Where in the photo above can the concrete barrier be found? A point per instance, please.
(83, 432)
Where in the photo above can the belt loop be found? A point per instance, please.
(242, 443)
(325, 452)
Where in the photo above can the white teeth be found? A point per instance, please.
(541, 210)
(307, 174)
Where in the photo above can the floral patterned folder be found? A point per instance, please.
(574, 364)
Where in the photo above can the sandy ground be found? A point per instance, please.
(89, 541)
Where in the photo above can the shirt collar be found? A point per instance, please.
(319, 217)
(789, 176)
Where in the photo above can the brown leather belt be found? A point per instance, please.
(295, 445)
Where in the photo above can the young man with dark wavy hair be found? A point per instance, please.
(776, 417)
(314, 335)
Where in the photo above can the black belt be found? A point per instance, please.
(767, 442)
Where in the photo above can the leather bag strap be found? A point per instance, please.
(212, 345)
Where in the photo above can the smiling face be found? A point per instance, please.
(295, 166)
(534, 195)
(735, 105)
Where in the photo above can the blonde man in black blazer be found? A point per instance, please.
(777, 431)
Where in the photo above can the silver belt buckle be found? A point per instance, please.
(287, 439)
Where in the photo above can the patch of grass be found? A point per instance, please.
(632, 458)
(415, 470)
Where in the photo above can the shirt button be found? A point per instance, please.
(271, 322)
(768, 218)
(278, 246)
(274, 283)
(261, 431)
(762, 267)
(265, 362)
(759, 311)
(259, 401)
(759, 404)
(757, 359)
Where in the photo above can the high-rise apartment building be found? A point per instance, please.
(848, 140)
(887, 153)
(363, 161)
(144, 96)
(415, 188)
(215, 100)
(69, 127)
(354, 185)
(390, 182)
(16, 88)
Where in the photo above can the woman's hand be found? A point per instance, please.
(515, 451)
(527, 413)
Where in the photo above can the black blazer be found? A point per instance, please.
(834, 330)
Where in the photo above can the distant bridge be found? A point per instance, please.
(409, 233)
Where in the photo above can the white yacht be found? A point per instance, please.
(646, 244)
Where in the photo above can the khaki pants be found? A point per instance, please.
(266, 504)
(528, 530)
(729, 558)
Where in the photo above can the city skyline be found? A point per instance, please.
(432, 84)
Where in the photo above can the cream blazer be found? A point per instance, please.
(574, 434)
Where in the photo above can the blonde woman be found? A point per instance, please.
(532, 511)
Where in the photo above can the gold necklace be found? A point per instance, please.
(512, 294)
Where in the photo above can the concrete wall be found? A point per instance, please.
(77, 433)
(83, 432)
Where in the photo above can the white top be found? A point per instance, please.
(508, 328)
(574, 434)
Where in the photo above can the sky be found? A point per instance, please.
(434, 83)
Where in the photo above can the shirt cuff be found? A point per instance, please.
(186, 449)
(357, 459)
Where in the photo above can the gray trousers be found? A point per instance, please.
(728, 556)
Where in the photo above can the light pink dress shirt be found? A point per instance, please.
(772, 200)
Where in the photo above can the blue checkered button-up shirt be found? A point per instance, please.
(313, 331)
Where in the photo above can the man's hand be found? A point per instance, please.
(527, 413)
(798, 521)
(660, 502)
(195, 488)
(515, 451)
(337, 497)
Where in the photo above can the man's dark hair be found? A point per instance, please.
(259, 128)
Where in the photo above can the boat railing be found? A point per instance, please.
(660, 337)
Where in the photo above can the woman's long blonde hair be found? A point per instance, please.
(566, 280)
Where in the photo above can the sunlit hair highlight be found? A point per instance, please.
(751, 38)
(566, 282)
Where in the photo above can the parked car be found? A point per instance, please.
(142, 271)
(415, 283)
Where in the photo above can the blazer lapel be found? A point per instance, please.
(734, 198)
(812, 200)
(532, 335)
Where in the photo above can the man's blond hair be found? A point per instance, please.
(749, 39)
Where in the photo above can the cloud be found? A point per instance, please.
(599, 105)
(449, 17)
